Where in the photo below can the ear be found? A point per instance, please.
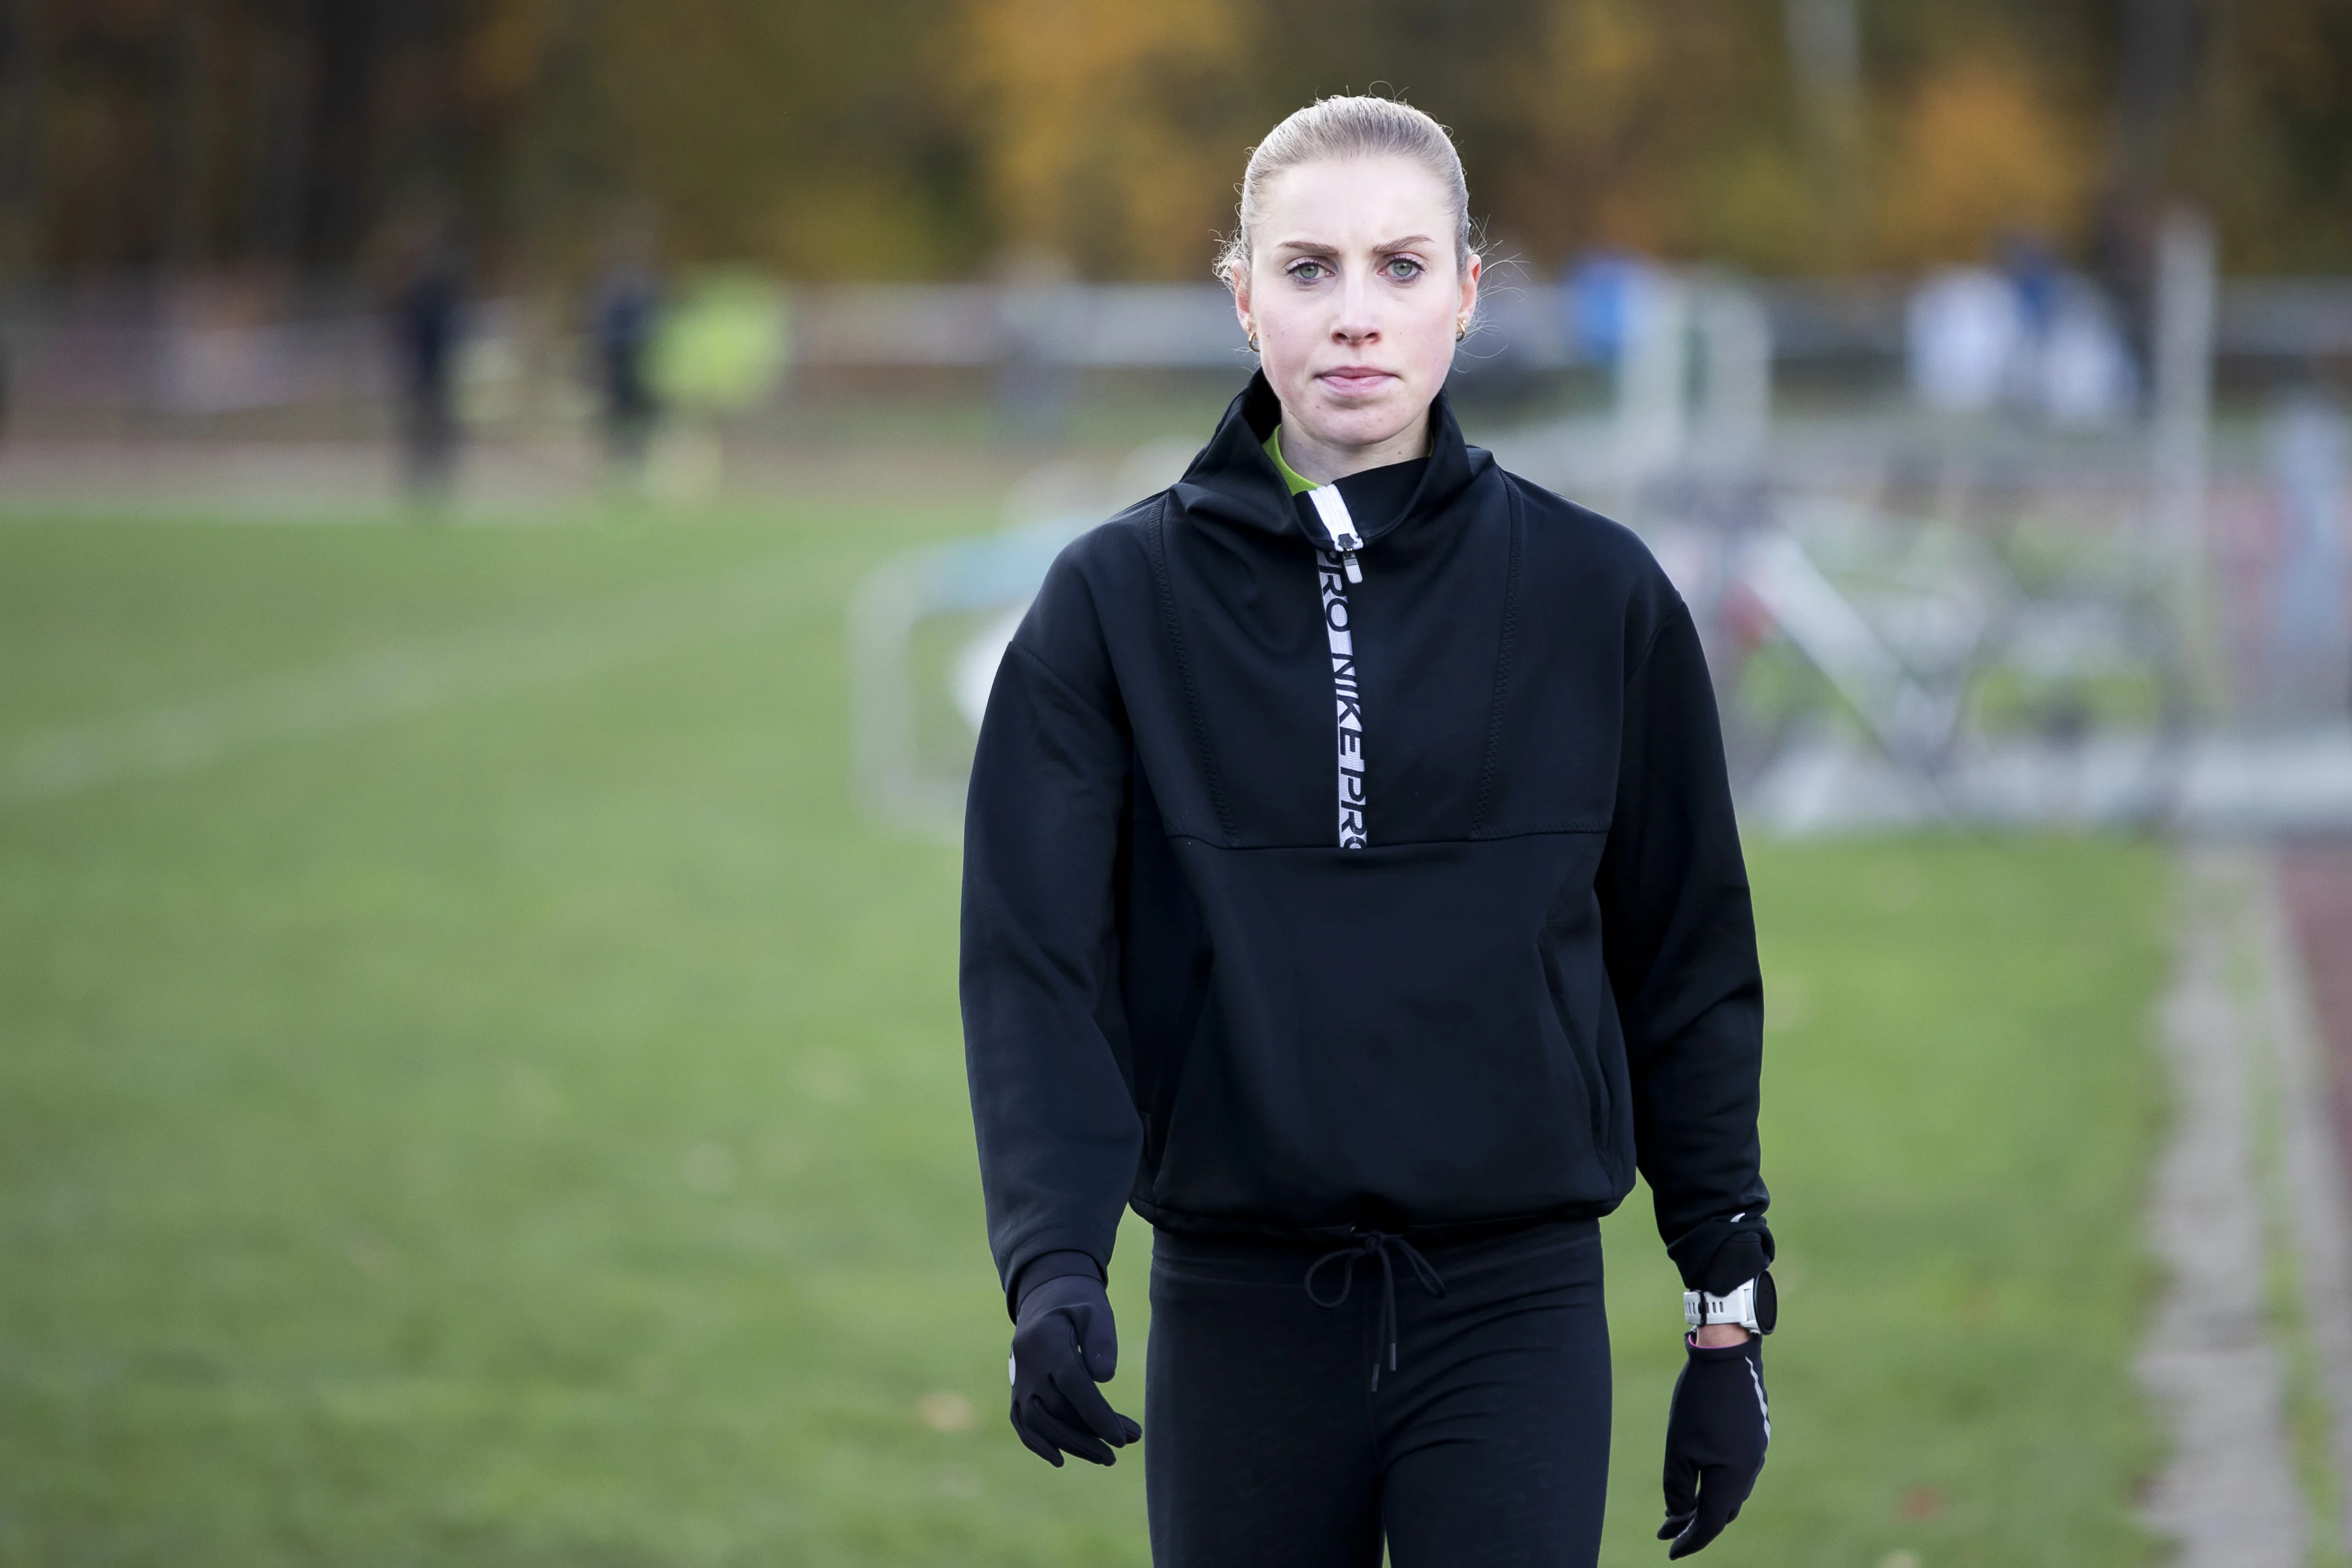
(1238, 280)
(1470, 276)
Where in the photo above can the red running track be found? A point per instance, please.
(2315, 878)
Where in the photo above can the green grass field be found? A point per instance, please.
(475, 1087)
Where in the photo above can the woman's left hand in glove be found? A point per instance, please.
(1717, 1432)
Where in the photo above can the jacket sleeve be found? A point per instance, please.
(1045, 1041)
(1680, 943)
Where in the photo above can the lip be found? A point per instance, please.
(1355, 380)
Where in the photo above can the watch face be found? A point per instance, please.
(1768, 1303)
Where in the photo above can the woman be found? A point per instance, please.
(1351, 886)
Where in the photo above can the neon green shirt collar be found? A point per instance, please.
(1298, 485)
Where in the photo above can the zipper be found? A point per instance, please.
(1335, 569)
(1332, 508)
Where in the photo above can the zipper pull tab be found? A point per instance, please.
(1333, 510)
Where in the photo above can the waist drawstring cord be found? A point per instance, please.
(1375, 1244)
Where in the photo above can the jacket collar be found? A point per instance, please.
(1234, 480)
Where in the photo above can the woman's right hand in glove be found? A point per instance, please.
(1064, 1343)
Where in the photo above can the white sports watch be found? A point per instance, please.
(1753, 1306)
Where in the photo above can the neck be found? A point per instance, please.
(1324, 461)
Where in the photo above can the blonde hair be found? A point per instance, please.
(1342, 128)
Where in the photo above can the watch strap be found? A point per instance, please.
(1748, 1305)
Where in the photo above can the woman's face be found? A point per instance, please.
(1356, 299)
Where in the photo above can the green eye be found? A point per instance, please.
(1308, 271)
(1404, 268)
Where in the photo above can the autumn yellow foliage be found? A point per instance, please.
(1096, 124)
(1976, 148)
(941, 138)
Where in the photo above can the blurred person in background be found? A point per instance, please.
(427, 320)
(2309, 455)
(625, 313)
(1351, 886)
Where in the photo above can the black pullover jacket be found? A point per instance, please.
(1460, 959)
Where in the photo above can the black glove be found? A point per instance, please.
(1717, 1432)
(1063, 1345)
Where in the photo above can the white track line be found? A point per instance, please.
(2227, 1492)
(405, 680)
(2312, 1166)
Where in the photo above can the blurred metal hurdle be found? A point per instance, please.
(1052, 505)
(997, 570)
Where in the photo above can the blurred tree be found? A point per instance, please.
(194, 133)
(1109, 133)
(811, 137)
(1824, 45)
(2268, 143)
(22, 74)
(2158, 54)
(1977, 148)
(1624, 106)
(925, 138)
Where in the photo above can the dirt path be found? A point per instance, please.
(2252, 1343)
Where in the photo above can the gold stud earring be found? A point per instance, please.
(1253, 341)
(1461, 330)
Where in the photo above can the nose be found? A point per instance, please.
(1359, 321)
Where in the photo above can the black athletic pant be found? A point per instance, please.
(1267, 1445)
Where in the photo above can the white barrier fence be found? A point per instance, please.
(176, 352)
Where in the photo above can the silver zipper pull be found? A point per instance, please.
(1333, 509)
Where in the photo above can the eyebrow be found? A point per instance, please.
(1407, 242)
